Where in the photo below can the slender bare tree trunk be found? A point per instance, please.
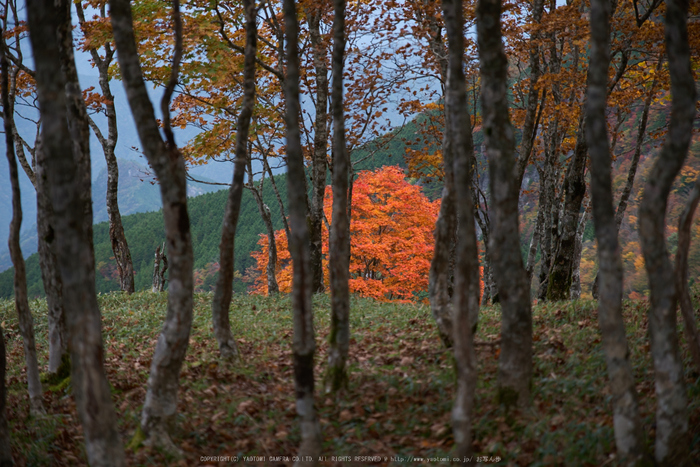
(440, 279)
(266, 215)
(58, 346)
(672, 439)
(531, 121)
(120, 247)
(466, 296)
(681, 270)
(628, 429)
(155, 282)
(224, 282)
(304, 342)
(339, 340)
(48, 263)
(578, 250)
(515, 363)
(26, 322)
(160, 407)
(5, 448)
(314, 14)
(73, 242)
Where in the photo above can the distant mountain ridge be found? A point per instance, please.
(138, 192)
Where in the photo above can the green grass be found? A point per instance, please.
(397, 402)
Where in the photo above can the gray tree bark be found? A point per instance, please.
(266, 215)
(303, 342)
(5, 448)
(319, 161)
(681, 271)
(578, 250)
(160, 407)
(672, 439)
(221, 303)
(515, 362)
(58, 341)
(73, 242)
(440, 278)
(339, 339)
(466, 294)
(24, 314)
(574, 189)
(628, 429)
(120, 247)
(531, 122)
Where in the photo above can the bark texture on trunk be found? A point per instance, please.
(221, 302)
(24, 314)
(320, 151)
(574, 189)
(440, 280)
(266, 215)
(339, 340)
(304, 341)
(515, 362)
(48, 263)
(5, 448)
(466, 296)
(578, 250)
(681, 271)
(628, 429)
(548, 203)
(73, 242)
(120, 247)
(160, 407)
(672, 439)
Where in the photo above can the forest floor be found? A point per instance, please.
(397, 405)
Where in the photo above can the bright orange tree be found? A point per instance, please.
(391, 239)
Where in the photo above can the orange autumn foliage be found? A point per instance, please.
(391, 239)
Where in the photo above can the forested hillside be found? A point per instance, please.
(145, 231)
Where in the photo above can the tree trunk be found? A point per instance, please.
(466, 294)
(339, 340)
(48, 263)
(221, 302)
(641, 133)
(120, 247)
(161, 278)
(160, 407)
(155, 285)
(531, 121)
(319, 158)
(681, 271)
(550, 207)
(574, 189)
(73, 242)
(578, 250)
(5, 448)
(515, 362)
(440, 278)
(266, 215)
(24, 314)
(304, 342)
(628, 429)
(672, 439)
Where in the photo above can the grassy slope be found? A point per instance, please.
(398, 403)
